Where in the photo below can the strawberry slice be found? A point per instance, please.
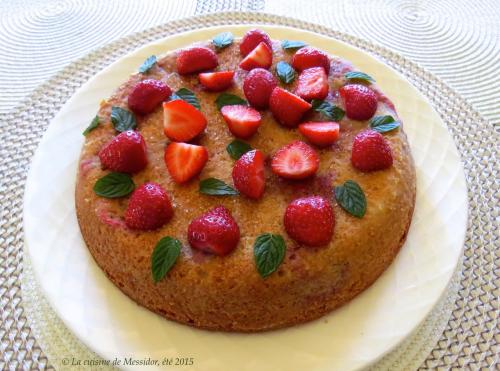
(251, 39)
(296, 160)
(287, 108)
(243, 121)
(248, 174)
(216, 81)
(313, 84)
(181, 121)
(196, 59)
(184, 161)
(261, 56)
(320, 133)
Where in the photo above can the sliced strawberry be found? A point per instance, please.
(216, 81)
(248, 174)
(251, 39)
(296, 160)
(261, 56)
(371, 151)
(258, 86)
(125, 153)
(287, 108)
(184, 161)
(147, 95)
(181, 121)
(320, 133)
(313, 84)
(310, 57)
(196, 59)
(215, 232)
(360, 101)
(243, 121)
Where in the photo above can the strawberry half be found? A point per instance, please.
(261, 56)
(196, 59)
(216, 81)
(296, 160)
(243, 121)
(360, 101)
(125, 153)
(251, 39)
(184, 161)
(181, 121)
(248, 174)
(371, 151)
(313, 84)
(320, 133)
(310, 57)
(215, 232)
(287, 108)
(147, 95)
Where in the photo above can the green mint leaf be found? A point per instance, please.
(269, 252)
(351, 198)
(216, 187)
(292, 44)
(114, 185)
(148, 64)
(285, 72)
(92, 126)
(187, 96)
(383, 124)
(329, 110)
(237, 148)
(223, 40)
(122, 119)
(360, 76)
(164, 256)
(226, 99)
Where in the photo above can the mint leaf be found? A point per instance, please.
(187, 96)
(92, 126)
(226, 99)
(122, 119)
(114, 185)
(351, 198)
(329, 110)
(383, 124)
(223, 40)
(148, 64)
(237, 148)
(292, 44)
(285, 72)
(269, 252)
(356, 75)
(164, 256)
(216, 187)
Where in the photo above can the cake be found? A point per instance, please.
(245, 184)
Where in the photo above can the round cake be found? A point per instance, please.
(245, 184)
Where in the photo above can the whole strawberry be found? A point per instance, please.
(258, 86)
(309, 57)
(251, 39)
(196, 59)
(371, 151)
(215, 232)
(147, 95)
(360, 101)
(149, 208)
(125, 153)
(248, 174)
(310, 221)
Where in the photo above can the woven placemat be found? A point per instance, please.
(471, 336)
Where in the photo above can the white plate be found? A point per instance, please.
(352, 337)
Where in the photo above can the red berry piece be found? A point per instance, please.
(147, 95)
(260, 57)
(313, 84)
(196, 59)
(258, 86)
(184, 161)
(149, 208)
(320, 133)
(125, 153)
(360, 101)
(253, 38)
(309, 57)
(296, 160)
(215, 232)
(181, 121)
(243, 121)
(216, 81)
(310, 221)
(287, 108)
(371, 151)
(248, 174)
